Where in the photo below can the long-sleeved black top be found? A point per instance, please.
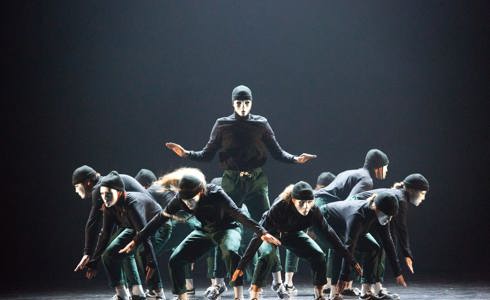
(398, 225)
(283, 218)
(133, 210)
(94, 220)
(161, 195)
(215, 211)
(242, 143)
(353, 219)
(347, 183)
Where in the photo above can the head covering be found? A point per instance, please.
(387, 203)
(145, 177)
(189, 186)
(216, 180)
(302, 191)
(113, 181)
(83, 173)
(416, 181)
(375, 158)
(241, 92)
(325, 178)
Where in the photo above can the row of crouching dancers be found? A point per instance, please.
(344, 229)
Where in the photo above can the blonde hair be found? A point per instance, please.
(170, 181)
(287, 194)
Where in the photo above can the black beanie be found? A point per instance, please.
(83, 173)
(113, 181)
(375, 159)
(325, 178)
(241, 92)
(216, 180)
(189, 186)
(145, 177)
(302, 191)
(416, 181)
(387, 203)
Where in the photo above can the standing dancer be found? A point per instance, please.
(242, 140)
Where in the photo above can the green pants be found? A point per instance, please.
(301, 245)
(129, 265)
(112, 261)
(197, 244)
(253, 191)
(369, 250)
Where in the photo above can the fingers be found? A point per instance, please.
(409, 263)
(236, 274)
(401, 281)
(358, 269)
(129, 247)
(149, 273)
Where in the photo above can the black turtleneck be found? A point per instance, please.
(347, 183)
(242, 143)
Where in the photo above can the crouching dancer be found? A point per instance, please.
(131, 211)
(219, 217)
(292, 213)
(353, 220)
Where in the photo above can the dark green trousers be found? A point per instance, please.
(197, 244)
(129, 265)
(112, 261)
(368, 249)
(253, 191)
(302, 246)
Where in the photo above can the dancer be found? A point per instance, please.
(87, 185)
(292, 213)
(242, 140)
(219, 218)
(130, 211)
(145, 177)
(412, 189)
(324, 179)
(353, 220)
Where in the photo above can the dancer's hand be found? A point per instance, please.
(149, 273)
(401, 281)
(90, 273)
(269, 238)
(358, 269)
(236, 274)
(83, 262)
(129, 247)
(177, 149)
(409, 263)
(304, 158)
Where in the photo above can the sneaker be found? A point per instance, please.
(136, 297)
(336, 297)
(351, 292)
(291, 290)
(386, 295)
(117, 297)
(321, 298)
(326, 291)
(368, 296)
(280, 290)
(191, 291)
(214, 291)
(154, 295)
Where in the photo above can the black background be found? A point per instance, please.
(107, 83)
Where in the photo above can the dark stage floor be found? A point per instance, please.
(417, 290)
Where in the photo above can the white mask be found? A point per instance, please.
(109, 196)
(303, 206)
(416, 197)
(242, 107)
(80, 190)
(383, 218)
(192, 202)
(380, 173)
